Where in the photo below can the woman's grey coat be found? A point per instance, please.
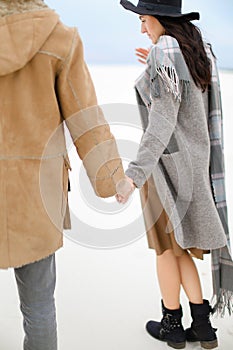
(175, 147)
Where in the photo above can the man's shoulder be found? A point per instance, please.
(60, 41)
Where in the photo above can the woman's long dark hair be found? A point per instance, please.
(190, 40)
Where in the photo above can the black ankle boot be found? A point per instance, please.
(201, 329)
(169, 329)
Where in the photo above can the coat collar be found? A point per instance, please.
(10, 7)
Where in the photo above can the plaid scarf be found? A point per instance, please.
(172, 65)
(222, 264)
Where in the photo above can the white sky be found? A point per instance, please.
(110, 33)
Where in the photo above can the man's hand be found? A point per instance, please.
(124, 189)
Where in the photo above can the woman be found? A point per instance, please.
(177, 96)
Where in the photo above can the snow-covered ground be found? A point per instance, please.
(105, 296)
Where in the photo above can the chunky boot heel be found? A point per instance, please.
(170, 329)
(209, 344)
(201, 329)
(176, 345)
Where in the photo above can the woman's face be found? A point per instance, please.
(152, 27)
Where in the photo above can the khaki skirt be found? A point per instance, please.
(157, 222)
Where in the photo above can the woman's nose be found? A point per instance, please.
(143, 29)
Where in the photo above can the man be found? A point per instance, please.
(43, 82)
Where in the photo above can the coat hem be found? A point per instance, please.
(21, 264)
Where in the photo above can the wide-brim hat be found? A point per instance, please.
(163, 8)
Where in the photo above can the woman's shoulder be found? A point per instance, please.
(167, 42)
(166, 46)
(167, 53)
(167, 62)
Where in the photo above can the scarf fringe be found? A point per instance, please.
(172, 83)
(223, 303)
(170, 79)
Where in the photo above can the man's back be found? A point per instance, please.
(44, 81)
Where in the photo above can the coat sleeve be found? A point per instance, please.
(162, 121)
(89, 130)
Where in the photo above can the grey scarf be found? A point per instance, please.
(222, 264)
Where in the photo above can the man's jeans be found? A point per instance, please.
(36, 284)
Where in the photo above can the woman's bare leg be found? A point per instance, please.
(190, 278)
(169, 278)
(175, 271)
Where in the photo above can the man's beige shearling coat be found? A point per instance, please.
(44, 82)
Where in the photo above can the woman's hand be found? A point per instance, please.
(124, 189)
(142, 54)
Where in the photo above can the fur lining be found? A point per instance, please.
(10, 7)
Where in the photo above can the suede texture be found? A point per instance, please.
(44, 84)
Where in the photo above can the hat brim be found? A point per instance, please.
(192, 16)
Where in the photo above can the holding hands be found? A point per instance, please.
(124, 189)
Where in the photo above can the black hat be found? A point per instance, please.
(163, 8)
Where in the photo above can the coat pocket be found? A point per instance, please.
(66, 168)
(178, 172)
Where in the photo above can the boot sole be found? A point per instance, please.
(176, 345)
(212, 344)
(209, 344)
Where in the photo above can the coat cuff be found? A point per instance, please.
(104, 184)
(137, 175)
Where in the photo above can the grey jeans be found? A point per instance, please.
(36, 285)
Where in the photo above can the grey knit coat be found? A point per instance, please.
(175, 147)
